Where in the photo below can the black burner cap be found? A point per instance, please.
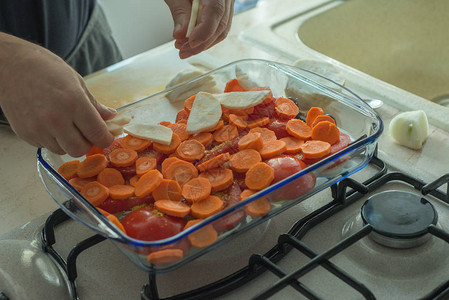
(399, 214)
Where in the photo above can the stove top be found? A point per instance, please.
(328, 248)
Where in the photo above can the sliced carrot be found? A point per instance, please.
(286, 108)
(214, 162)
(190, 150)
(180, 128)
(315, 149)
(258, 122)
(121, 191)
(110, 176)
(226, 112)
(243, 160)
(133, 180)
(259, 176)
(258, 208)
(322, 118)
(147, 183)
(95, 192)
(188, 103)
(164, 257)
(114, 220)
(267, 134)
(226, 133)
(207, 207)
(237, 121)
(134, 143)
(167, 149)
(252, 140)
(219, 178)
(196, 189)
(78, 182)
(268, 98)
(203, 236)
(293, 144)
(173, 208)
(299, 129)
(246, 193)
(205, 138)
(92, 165)
(219, 126)
(69, 169)
(166, 162)
(123, 157)
(272, 148)
(164, 123)
(94, 150)
(168, 190)
(326, 131)
(181, 171)
(233, 85)
(145, 164)
(313, 113)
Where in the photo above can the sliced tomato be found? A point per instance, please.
(341, 144)
(263, 110)
(279, 128)
(182, 115)
(285, 166)
(229, 221)
(114, 206)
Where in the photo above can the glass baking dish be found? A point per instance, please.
(353, 117)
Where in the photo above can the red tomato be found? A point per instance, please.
(113, 206)
(182, 115)
(284, 166)
(232, 219)
(147, 224)
(263, 110)
(279, 128)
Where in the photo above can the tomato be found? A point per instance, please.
(263, 110)
(113, 206)
(284, 166)
(148, 224)
(182, 115)
(341, 144)
(279, 128)
(232, 219)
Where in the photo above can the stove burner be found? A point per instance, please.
(399, 219)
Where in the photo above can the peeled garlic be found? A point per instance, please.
(410, 129)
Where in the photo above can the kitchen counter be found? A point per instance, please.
(23, 197)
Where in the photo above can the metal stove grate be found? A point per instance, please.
(344, 193)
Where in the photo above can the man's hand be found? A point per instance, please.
(215, 23)
(47, 103)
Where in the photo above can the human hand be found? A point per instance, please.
(216, 19)
(47, 103)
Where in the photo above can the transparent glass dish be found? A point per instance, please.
(353, 117)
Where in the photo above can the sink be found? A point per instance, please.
(397, 51)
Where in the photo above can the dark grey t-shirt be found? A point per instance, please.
(54, 24)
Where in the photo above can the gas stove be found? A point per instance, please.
(377, 234)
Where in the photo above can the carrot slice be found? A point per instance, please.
(133, 180)
(219, 178)
(322, 118)
(94, 150)
(164, 257)
(196, 189)
(258, 122)
(233, 85)
(243, 160)
(123, 157)
(219, 125)
(207, 207)
(121, 191)
(214, 162)
(110, 176)
(268, 98)
(172, 208)
(164, 123)
(237, 121)
(168, 190)
(252, 140)
(286, 108)
(78, 182)
(272, 148)
(326, 131)
(92, 165)
(95, 192)
(145, 164)
(180, 128)
(258, 208)
(293, 145)
(166, 162)
(181, 171)
(203, 236)
(267, 134)
(259, 176)
(299, 129)
(205, 138)
(167, 149)
(134, 143)
(226, 133)
(243, 114)
(313, 113)
(147, 183)
(315, 149)
(246, 193)
(69, 169)
(114, 220)
(188, 103)
(190, 150)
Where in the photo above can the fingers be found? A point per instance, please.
(106, 113)
(180, 11)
